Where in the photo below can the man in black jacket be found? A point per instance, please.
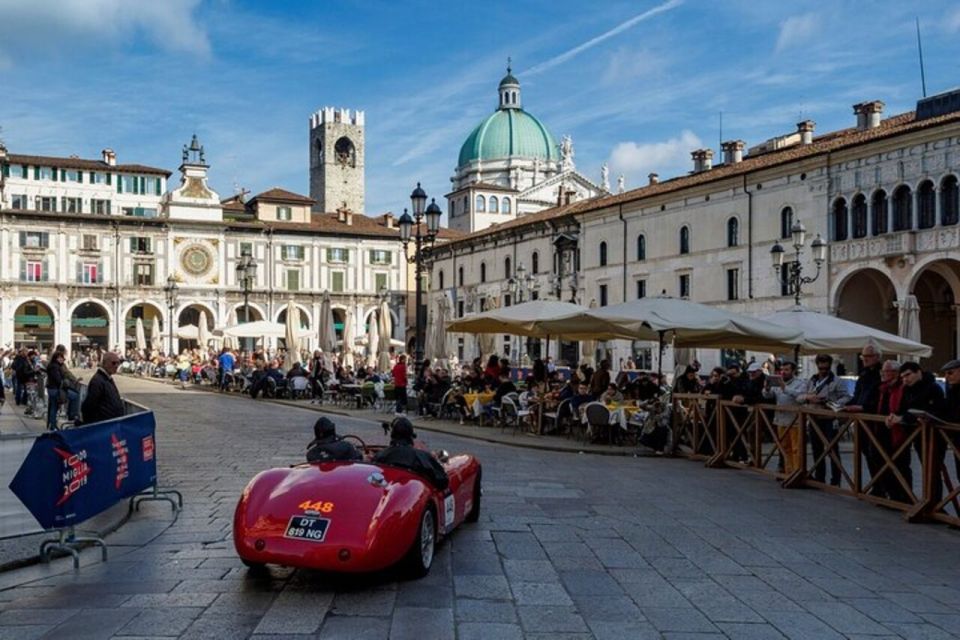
(103, 398)
(327, 446)
(951, 415)
(401, 453)
(22, 373)
(920, 393)
(866, 393)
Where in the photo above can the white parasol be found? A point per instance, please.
(156, 340)
(141, 336)
(373, 340)
(291, 335)
(203, 330)
(346, 359)
(386, 332)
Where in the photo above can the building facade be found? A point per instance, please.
(87, 246)
(883, 193)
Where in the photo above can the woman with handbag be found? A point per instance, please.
(70, 385)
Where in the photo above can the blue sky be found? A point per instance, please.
(637, 84)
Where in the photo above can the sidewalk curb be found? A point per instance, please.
(29, 561)
(536, 443)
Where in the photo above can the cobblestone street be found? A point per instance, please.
(568, 546)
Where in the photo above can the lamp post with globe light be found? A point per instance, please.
(427, 222)
(172, 292)
(794, 278)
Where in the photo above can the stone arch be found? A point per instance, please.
(189, 313)
(867, 296)
(90, 322)
(839, 219)
(936, 285)
(146, 311)
(949, 193)
(256, 312)
(339, 313)
(345, 153)
(305, 319)
(34, 324)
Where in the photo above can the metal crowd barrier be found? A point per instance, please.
(919, 475)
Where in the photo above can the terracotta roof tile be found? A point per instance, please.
(81, 163)
(828, 142)
(277, 194)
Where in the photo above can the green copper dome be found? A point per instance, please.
(506, 133)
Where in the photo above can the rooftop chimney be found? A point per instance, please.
(388, 220)
(732, 151)
(702, 160)
(805, 129)
(868, 114)
(109, 157)
(654, 178)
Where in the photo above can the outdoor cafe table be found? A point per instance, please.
(352, 390)
(620, 414)
(475, 401)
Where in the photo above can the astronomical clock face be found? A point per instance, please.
(196, 260)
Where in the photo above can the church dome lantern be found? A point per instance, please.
(508, 132)
(509, 90)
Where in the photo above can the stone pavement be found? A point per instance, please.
(568, 546)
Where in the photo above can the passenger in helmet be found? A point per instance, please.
(327, 446)
(401, 453)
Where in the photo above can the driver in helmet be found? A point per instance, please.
(401, 453)
(327, 446)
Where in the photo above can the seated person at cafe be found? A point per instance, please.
(612, 395)
(583, 397)
(647, 388)
(503, 388)
(327, 446)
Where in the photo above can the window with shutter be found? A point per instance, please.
(336, 281)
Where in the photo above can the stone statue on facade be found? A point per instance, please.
(605, 177)
(566, 153)
(621, 184)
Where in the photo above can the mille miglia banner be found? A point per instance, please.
(70, 476)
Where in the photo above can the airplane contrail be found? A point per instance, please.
(623, 26)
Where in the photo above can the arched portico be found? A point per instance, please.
(145, 312)
(34, 325)
(867, 297)
(936, 286)
(90, 325)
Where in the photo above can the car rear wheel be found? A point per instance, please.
(474, 514)
(420, 556)
(254, 566)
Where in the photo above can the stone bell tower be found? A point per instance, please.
(336, 160)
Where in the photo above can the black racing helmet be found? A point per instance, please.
(401, 430)
(324, 428)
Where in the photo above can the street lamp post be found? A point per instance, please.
(794, 278)
(171, 291)
(245, 273)
(423, 239)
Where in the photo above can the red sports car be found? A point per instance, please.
(353, 516)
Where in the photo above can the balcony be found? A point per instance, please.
(894, 246)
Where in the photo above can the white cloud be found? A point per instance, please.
(667, 158)
(65, 25)
(630, 64)
(951, 23)
(589, 44)
(797, 30)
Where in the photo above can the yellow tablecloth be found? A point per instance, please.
(482, 397)
(475, 401)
